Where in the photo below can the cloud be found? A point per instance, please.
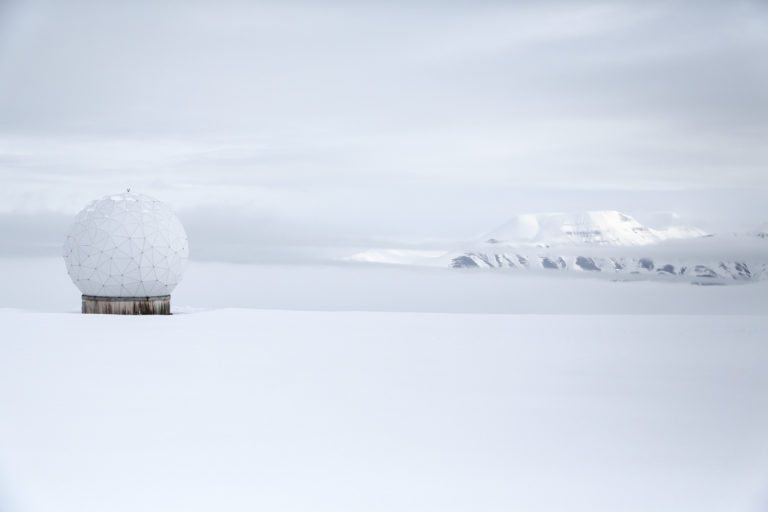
(40, 234)
(386, 120)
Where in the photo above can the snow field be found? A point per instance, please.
(243, 410)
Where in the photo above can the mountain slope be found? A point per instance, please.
(610, 243)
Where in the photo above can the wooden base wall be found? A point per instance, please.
(127, 305)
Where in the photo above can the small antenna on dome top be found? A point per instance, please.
(128, 189)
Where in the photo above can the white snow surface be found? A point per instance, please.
(242, 410)
(592, 397)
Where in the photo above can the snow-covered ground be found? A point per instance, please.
(243, 410)
(43, 285)
(400, 406)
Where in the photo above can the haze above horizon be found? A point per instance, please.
(350, 124)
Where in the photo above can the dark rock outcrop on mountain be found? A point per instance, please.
(630, 268)
(614, 245)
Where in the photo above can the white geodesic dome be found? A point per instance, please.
(126, 245)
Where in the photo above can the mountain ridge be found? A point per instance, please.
(611, 243)
(598, 227)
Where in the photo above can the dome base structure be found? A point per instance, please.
(159, 305)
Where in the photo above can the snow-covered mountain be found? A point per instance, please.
(611, 243)
(591, 228)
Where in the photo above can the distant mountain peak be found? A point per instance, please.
(615, 245)
(601, 227)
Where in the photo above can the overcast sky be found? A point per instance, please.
(340, 123)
